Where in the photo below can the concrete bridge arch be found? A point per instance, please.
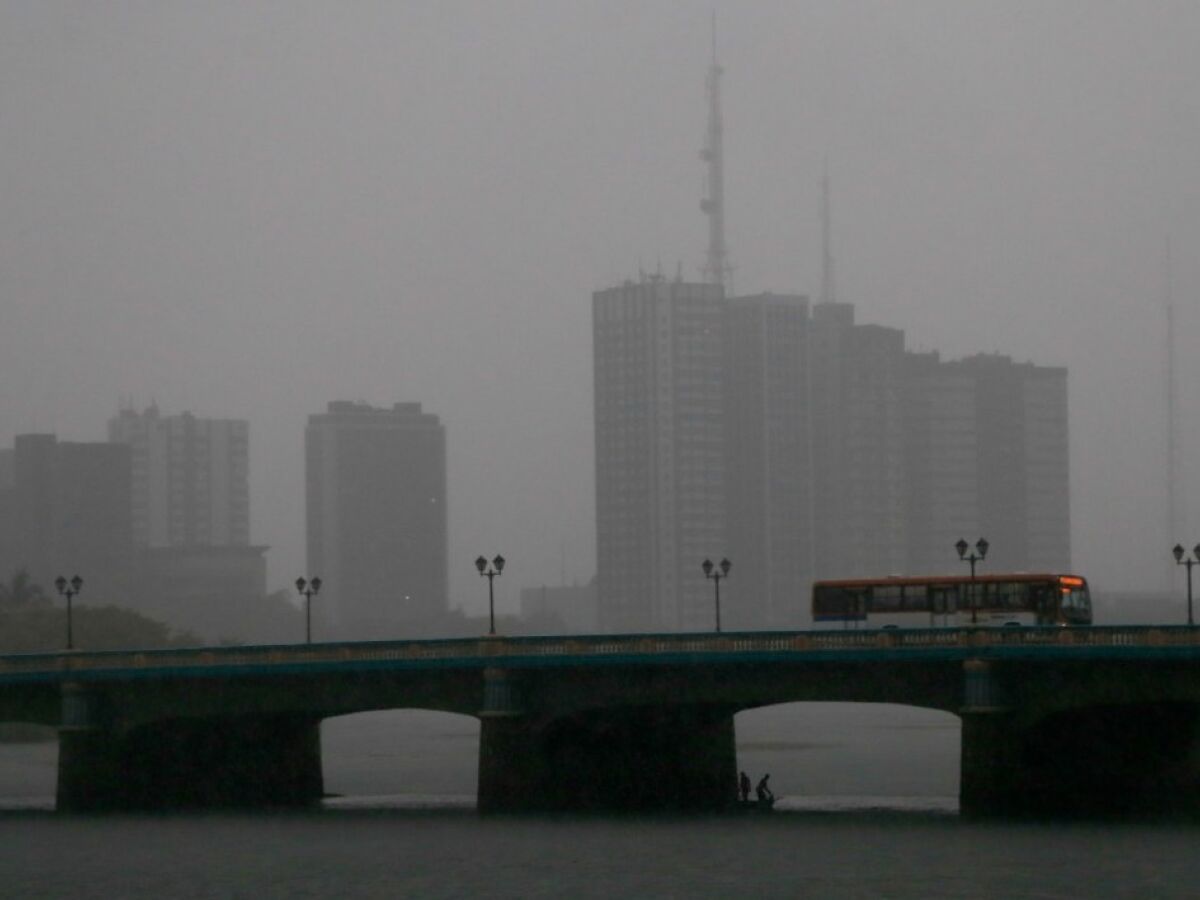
(416, 752)
(566, 720)
(829, 750)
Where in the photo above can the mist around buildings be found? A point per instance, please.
(365, 295)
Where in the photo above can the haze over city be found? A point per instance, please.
(248, 211)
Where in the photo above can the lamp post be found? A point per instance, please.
(976, 555)
(69, 589)
(1193, 560)
(308, 589)
(490, 573)
(716, 574)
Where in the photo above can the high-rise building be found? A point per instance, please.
(8, 516)
(768, 464)
(942, 462)
(190, 501)
(658, 350)
(71, 508)
(987, 456)
(377, 530)
(1024, 492)
(812, 447)
(190, 478)
(858, 445)
(1047, 467)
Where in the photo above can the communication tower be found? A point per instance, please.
(1175, 520)
(828, 287)
(717, 269)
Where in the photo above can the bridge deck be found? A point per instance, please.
(599, 650)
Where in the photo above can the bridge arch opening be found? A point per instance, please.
(28, 764)
(405, 755)
(848, 754)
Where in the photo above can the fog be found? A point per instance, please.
(249, 209)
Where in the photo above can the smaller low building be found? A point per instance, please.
(566, 609)
(216, 593)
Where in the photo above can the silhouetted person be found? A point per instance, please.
(744, 786)
(763, 791)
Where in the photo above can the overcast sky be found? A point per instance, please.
(248, 209)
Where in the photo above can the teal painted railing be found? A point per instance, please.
(579, 649)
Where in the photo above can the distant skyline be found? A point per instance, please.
(246, 210)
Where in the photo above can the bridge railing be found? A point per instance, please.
(496, 650)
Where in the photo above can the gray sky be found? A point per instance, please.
(248, 209)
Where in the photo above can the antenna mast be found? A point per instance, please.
(828, 288)
(1175, 524)
(716, 268)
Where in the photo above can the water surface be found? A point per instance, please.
(867, 810)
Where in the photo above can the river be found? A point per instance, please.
(867, 809)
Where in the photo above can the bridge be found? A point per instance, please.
(1058, 720)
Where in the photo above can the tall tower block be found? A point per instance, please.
(376, 515)
(659, 380)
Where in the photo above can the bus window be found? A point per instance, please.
(1043, 601)
(887, 598)
(858, 602)
(824, 601)
(943, 599)
(837, 602)
(972, 597)
(916, 598)
(1009, 595)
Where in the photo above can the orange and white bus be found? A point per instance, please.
(948, 601)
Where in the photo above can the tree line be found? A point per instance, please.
(30, 621)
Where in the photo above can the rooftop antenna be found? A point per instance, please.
(716, 268)
(828, 286)
(1175, 523)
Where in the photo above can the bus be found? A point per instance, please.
(949, 601)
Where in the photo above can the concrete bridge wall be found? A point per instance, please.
(1080, 738)
(626, 725)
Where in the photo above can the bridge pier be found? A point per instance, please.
(1102, 759)
(990, 771)
(236, 761)
(990, 780)
(89, 769)
(1142, 759)
(639, 758)
(1128, 758)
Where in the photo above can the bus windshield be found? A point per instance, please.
(1075, 602)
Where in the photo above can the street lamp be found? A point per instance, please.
(69, 589)
(716, 576)
(976, 555)
(308, 590)
(1191, 561)
(490, 574)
